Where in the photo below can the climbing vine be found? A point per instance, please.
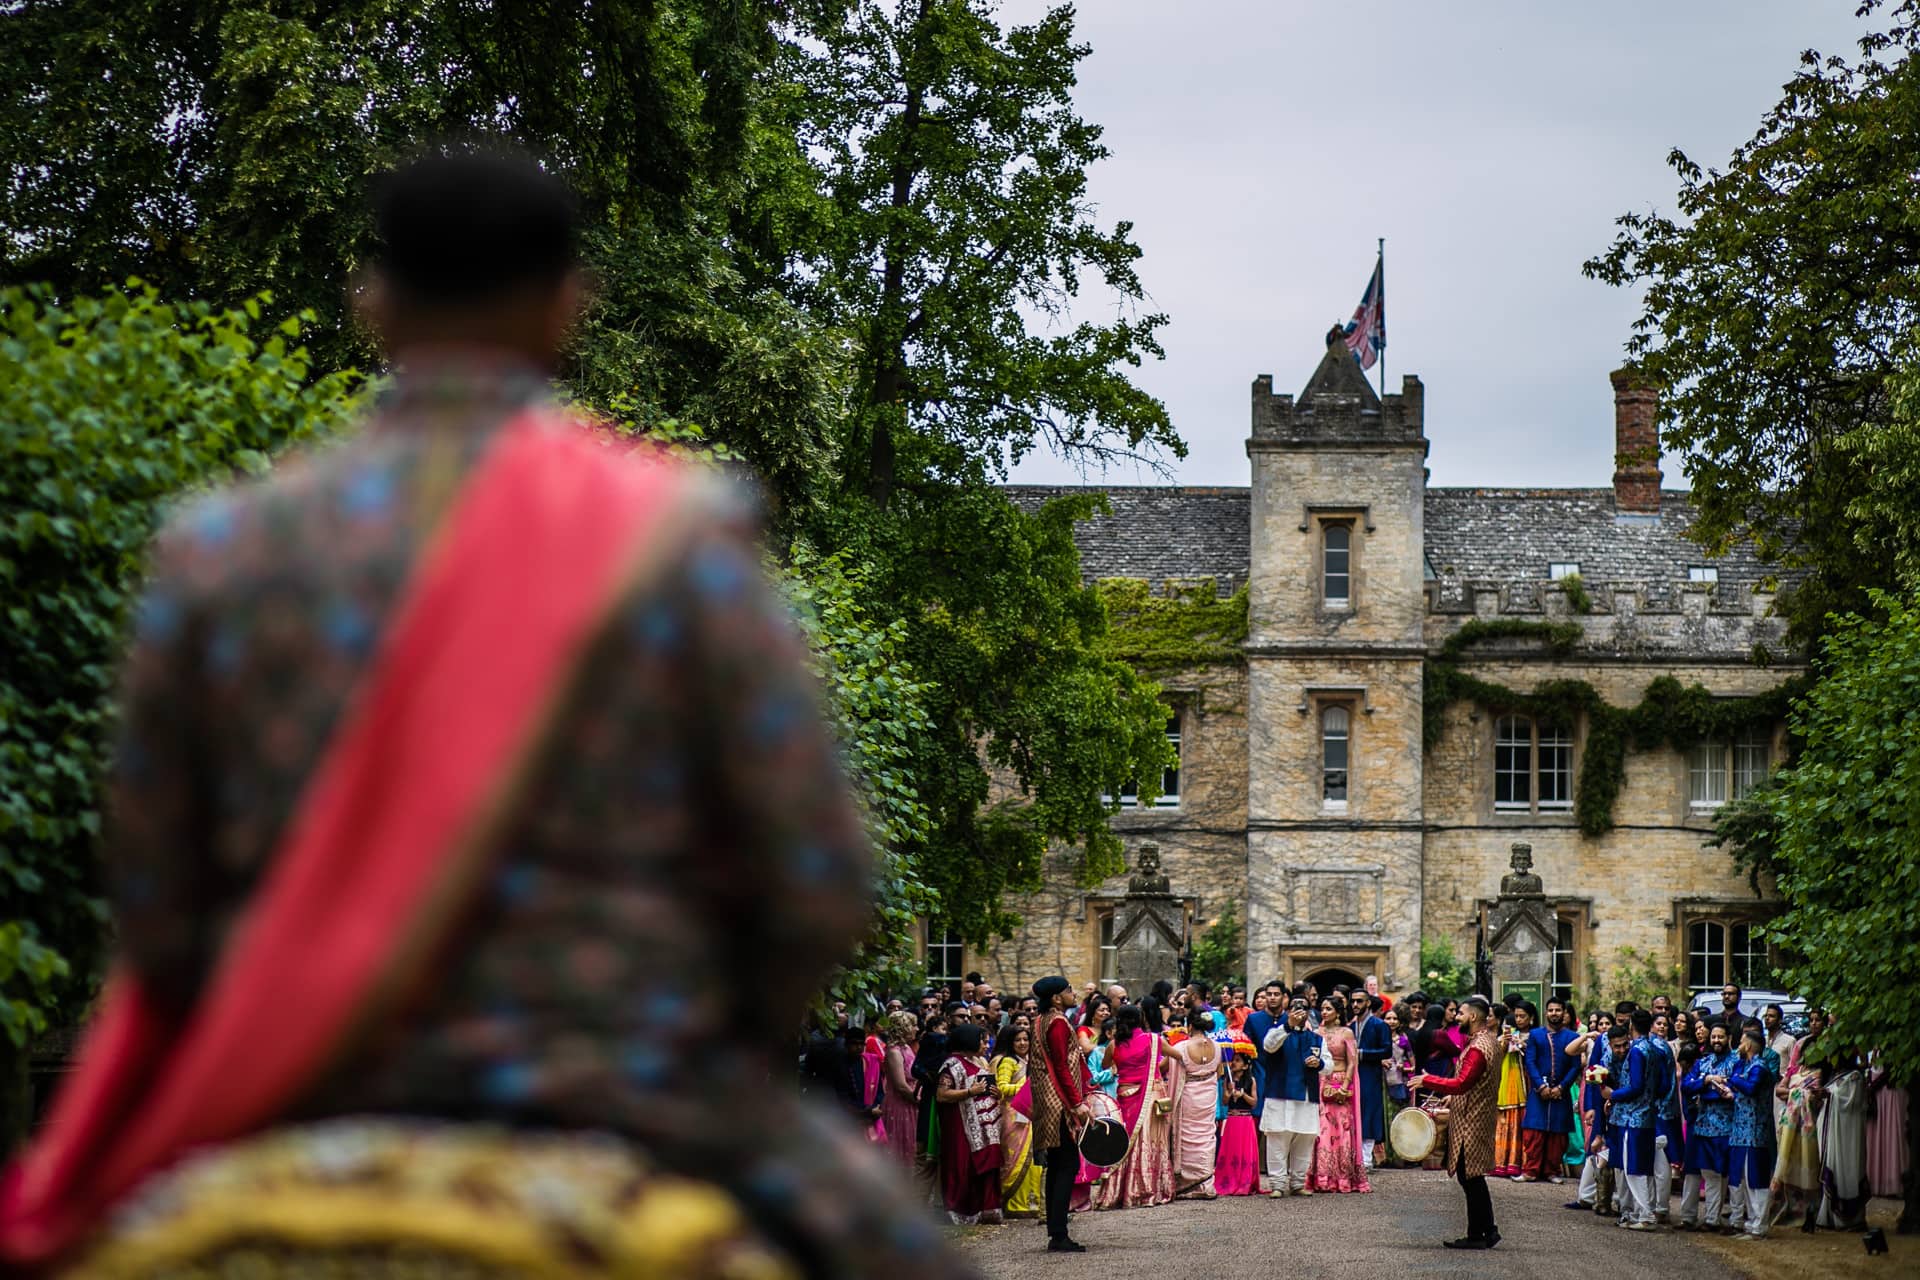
(1189, 626)
(1669, 713)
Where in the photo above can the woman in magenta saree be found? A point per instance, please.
(1145, 1176)
(1337, 1163)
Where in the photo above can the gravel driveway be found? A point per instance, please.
(1396, 1231)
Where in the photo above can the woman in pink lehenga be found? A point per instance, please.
(1195, 1084)
(1237, 1167)
(1145, 1176)
(900, 1105)
(1337, 1165)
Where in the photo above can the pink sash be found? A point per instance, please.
(391, 835)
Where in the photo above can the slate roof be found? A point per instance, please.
(1158, 532)
(1485, 535)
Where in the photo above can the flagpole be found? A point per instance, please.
(1381, 266)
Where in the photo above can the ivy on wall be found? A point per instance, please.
(1669, 713)
(1189, 626)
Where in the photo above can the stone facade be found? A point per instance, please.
(1347, 870)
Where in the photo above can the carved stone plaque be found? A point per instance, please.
(1333, 900)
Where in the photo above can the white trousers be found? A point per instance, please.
(1701, 1195)
(1290, 1159)
(1756, 1223)
(1638, 1205)
(1366, 1152)
(1589, 1181)
(1662, 1200)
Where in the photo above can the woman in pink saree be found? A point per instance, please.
(1195, 1082)
(1145, 1177)
(900, 1104)
(1337, 1164)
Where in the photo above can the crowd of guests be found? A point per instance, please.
(1757, 1125)
(1288, 1091)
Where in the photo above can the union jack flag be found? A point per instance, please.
(1367, 331)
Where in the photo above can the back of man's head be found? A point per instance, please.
(1642, 1021)
(459, 225)
(477, 248)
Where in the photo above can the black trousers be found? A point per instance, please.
(1479, 1202)
(1063, 1166)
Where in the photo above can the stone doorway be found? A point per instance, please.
(1325, 980)
(1324, 966)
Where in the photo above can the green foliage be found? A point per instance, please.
(1668, 714)
(1001, 626)
(30, 974)
(109, 407)
(1777, 300)
(879, 709)
(1442, 976)
(220, 148)
(957, 226)
(836, 235)
(1189, 627)
(1635, 975)
(1577, 598)
(1845, 835)
(1221, 948)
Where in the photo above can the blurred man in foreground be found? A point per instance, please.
(476, 843)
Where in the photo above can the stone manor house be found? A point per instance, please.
(1304, 794)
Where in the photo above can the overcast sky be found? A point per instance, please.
(1260, 148)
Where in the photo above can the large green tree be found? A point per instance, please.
(1779, 296)
(216, 149)
(954, 239)
(842, 236)
(1840, 833)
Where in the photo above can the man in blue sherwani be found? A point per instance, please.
(1635, 1122)
(1550, 1074)
(1710, 1121)
(1375, 1040)
(1290, 1115)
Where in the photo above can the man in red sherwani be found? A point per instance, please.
(1057, 1066)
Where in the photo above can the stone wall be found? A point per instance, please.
(1633, 886)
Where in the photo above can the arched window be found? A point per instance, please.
(1334, 743)
(1336, 562)
(1706, 954)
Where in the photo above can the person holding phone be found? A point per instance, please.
(969, 1102)
(1290, 1060)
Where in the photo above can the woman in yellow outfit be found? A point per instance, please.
(1512, 1102)
(1019, 1176)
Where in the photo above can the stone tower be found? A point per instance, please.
(1334, 664)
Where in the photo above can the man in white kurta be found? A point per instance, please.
(1290, 1117)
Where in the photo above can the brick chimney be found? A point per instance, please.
(1636, 444)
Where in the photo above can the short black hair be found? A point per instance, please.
(974, 978)
(459, 224)
(1624, 1009)
(1643, 1020)
(1418, 997)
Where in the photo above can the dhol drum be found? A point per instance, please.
(1412, 1134)
(1435, 1105)
(1103, 1142)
